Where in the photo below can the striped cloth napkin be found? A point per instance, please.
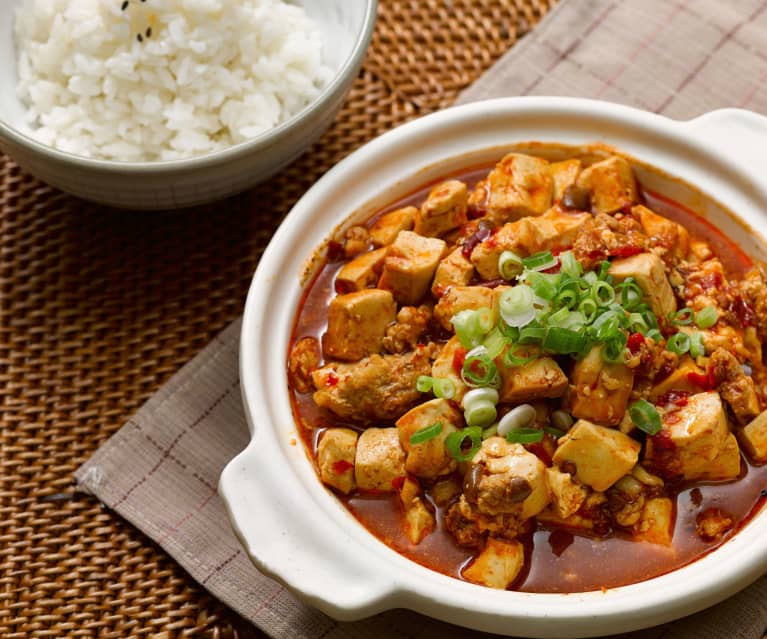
(160, 471)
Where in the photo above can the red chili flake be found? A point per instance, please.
(479, 236)
(676, 397)
(335, 251)
(665, 370)
(398, 482)
(663, 440)
(705, 381)
(331, 380)
(710, 281)
(743, 312)
(626, 251)
(634, 342)
(597, 253)
(341, 466)
(459, 356)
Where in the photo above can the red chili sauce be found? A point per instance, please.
(556, 559)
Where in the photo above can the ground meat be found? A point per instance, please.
(463, 530)
(754, 292)
(713, 523)
(605, 236)
(735, 387)
(411, 323)
(356, 241)
(304, 359)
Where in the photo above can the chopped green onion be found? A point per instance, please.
(516, 305)
(484, 318)
(511, 359)
(512, 332)
(466, 326)
(645, 417)
(637, 323)
(678, 343)
(683, 317)
(570, 266)
(563, 340)
(614, 347)
(589, 309)
(561, 420)
(607, 325)
(480, 414)
(603, 268)
(518, 417)
(531, 335)
(480, 395)
(524, 436)
(697, 348)
(706, 317)
(539, 261)
(495, 342)
(590, 278)
(443, 388)
(567, 298)
(654, 334)
(509, 265)
(631, 294)
(456, 441)
(544, 285)
(426, 433)
(603, 293)
(479, 370)
(424, 383)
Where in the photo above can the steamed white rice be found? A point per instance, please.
(205, 75)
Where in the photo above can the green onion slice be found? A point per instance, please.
(570, 265)
(490, 431)
(426, 433)
(509, 265)
(495, 342)
(539, 261)
(654, 334)
(603, 293)
(519, 356)
(645, 417)
(424, 383)
(443, 388)
(613, 348)
(456, 441)
(531, 335)
(697, 348)
(706, 317)
(631, 294)
(554, 432)
(683, 317)
(603, 268)
(479, 370)
(466, 327)
(480, 414)
(517, 305)
(524, 436)
(678, 343)
(563, 340)
(589, 309)
(544, 285)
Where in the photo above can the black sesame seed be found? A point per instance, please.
(149, 32)
(124, 5)
(763, 493)
(139, 38)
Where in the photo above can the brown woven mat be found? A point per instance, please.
(99, 307)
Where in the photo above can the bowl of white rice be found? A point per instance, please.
(153, 104)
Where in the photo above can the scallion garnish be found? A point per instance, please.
(569, 265)
(706, 317)
(683, 317)
(510, 265)
(697, 348)
(456, 441)
(645, 417)
(563, 341)
(603, 293)
(518, 356)
(544, 285)
(539, 261)
(479, 407)
(524, 436)
(678, 343)
(631, 294)
(426, 433)
(479, 370)
(516, 305)
(471, 325)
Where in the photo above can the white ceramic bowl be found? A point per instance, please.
(346, 30)
(297, 532)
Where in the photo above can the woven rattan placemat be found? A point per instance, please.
(99, 307)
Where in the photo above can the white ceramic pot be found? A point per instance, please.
(297, 532)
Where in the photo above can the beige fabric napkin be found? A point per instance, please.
(160, 470)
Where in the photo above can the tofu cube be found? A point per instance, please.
(725, 466)
(410, 265)
(611, 183)
(357, 323)
(553, 231)
(519, 185)
(461, 298)
(454, 270)
(567, 496)
(335, 457)
(361, 272)
(498, 565)
(753, 438)
(386, 228)
(538, 379)
(564, 174)
(648, 271)
(430, 458)
(692, 437)
(600, 390)
(662, 231)
(444, 366)
(601, 456)
(656, 523)
(678, 379)
(443, 210)
(379, 461)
